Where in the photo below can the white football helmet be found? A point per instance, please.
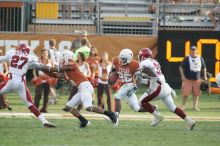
(66, 54)
(218, 79)
(126, 56)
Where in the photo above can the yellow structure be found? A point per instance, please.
(47, 10)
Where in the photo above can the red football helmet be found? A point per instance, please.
(144, 54)
(24, 48)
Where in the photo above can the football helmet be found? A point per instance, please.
(218, 79)
(125, 56)
(66, 55)
(144, 54)
(23, 48)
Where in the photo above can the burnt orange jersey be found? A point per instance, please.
(125, 73)
(74, 74)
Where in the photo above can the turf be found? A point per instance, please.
(29, 132)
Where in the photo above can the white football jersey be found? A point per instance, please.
(18, 62)
(154, 66)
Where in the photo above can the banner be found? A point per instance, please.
(173, 46)
(112, 44)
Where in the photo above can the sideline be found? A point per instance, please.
(98, 116)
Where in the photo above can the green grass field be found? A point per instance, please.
(16, 131)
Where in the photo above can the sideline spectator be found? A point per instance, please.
(84, 49)
(104, 68)
(190, 71)
(84, 35)
(93, 61)
(55, 56)
(83, 65)
(212, 13)
(42, 82)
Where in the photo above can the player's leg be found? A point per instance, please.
(86, 98)
(145, 99)
(71, 106)
(168, 101)
(125, 91)
(24, 93)
(133, 102)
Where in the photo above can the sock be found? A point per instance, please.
(187, 119)
(34, 110)
(180, 113)
(156, 113)
(148, 107)
(81, 118)
(42, 119)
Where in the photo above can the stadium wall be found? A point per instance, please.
(110, 43)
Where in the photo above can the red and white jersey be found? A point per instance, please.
(154, 66)
(125, 72)
(18, 62)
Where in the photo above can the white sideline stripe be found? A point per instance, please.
(98, 116)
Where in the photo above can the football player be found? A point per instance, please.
(126, 67)
(19, 62)
(70, 71)
(150, 73)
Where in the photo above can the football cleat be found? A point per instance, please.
(84, 123)
(49, 125)
(157, 120)
(113, 118)
(190, 124)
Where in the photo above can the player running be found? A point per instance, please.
(150, 73)
(70, 71)
(125, 68)
(19, 62)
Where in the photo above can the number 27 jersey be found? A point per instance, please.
(18, 62)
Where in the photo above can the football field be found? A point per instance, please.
(19, 128)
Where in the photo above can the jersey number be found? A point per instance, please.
(15, 60)
(157, 66)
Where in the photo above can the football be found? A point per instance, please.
(113, 77)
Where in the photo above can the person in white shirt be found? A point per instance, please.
(19, 62)
(55, 55)
(104, 68)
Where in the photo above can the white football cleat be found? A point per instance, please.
(190, 124)
(117, 121)
(157, 120)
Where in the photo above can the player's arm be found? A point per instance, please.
(3, 58)
(52, 74)
(152, 78)
(45, 68)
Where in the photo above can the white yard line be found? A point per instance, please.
(98, 116)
